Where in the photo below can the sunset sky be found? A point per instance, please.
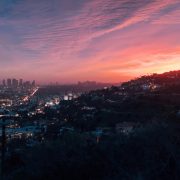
(76, 40)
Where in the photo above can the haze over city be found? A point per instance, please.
(103, 40)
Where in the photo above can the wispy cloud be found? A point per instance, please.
(64, 37)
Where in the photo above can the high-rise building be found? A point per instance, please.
(15, 83)
(9, 82)
(4, 82)
(27, 84)
(20, 82)
(33, 83)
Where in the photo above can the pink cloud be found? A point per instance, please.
(100, 39)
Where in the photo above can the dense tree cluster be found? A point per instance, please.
(152, 152)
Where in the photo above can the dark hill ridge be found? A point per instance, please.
(168, 81)
(172, 77)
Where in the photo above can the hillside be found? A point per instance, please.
(155, 82)
(127, 132)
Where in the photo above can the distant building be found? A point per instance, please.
(15, 83)
(5, 102)
(4, 82)
(66, 98)
(33, 83)
(21, 82)
(9, 82)
(27, 84)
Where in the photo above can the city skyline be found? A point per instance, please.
(14, 82)
(103, 40)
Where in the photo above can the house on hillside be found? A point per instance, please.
(125, 127)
